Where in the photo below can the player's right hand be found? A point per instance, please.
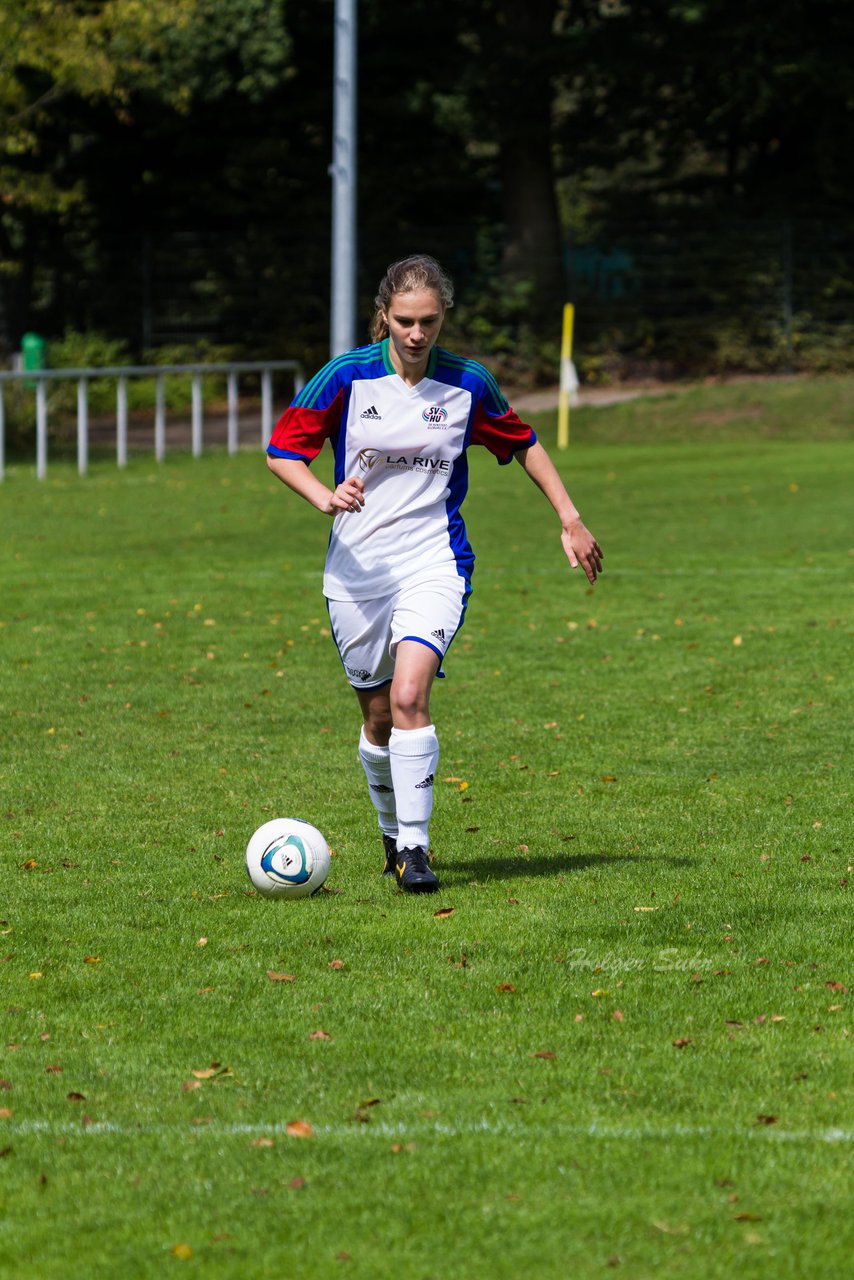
(349, 495)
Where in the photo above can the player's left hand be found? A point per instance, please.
(582, 549)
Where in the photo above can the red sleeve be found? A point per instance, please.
(503, 436)
(301, 433)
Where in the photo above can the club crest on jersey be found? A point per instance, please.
(435, 415)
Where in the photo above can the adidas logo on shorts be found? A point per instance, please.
(439, 634)
(371, 414)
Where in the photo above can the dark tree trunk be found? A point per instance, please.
(532, 248)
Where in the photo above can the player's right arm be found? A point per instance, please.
(293, 472)
(299, 435)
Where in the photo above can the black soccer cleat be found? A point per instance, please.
(413, 871)
(390, 846)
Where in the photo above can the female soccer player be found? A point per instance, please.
(400, 415)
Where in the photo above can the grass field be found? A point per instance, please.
(616, 1042)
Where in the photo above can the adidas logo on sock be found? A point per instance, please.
(428, 782)
(381, 787)
(439, 634)
(371, 414)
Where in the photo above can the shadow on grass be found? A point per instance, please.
(503, 868)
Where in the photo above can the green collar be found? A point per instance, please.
(389, 367)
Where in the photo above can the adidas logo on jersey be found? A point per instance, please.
(371, 414)
(428, 782)
(439, 634)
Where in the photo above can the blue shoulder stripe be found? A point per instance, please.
(313, 390)
(476, 370)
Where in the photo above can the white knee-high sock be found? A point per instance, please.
(375, 762)
(414, 757)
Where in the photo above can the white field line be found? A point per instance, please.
(379, 1128)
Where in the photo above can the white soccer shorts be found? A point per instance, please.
(429, 609)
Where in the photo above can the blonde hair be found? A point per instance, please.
(419, 271)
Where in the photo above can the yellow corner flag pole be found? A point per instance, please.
(566, 377)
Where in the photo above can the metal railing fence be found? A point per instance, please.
(40, 378)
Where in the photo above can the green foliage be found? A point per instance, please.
(498, 321)
(225, 47)
(50, 52)
(734, 344)
(164, 168)
(75, 350)
(656, 826)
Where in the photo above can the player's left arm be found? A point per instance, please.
(578, 542)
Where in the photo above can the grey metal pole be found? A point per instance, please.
(196, 429)
(159, 418)
(82, 426)
(122, 422)
(266, 407)
(41, 428)
(343, 172)
(233, 430)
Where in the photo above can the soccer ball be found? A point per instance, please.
(287, 858)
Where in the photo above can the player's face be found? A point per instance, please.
(414, 320)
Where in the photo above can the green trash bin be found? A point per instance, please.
(33, 354)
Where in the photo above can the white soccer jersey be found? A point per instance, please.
(409, 446)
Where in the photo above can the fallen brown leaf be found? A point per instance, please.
(262, 1142)
(443, 913)
(505, 987)
(280, 977)
(682, 1044)
(299, 1129)
(320, 1035)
